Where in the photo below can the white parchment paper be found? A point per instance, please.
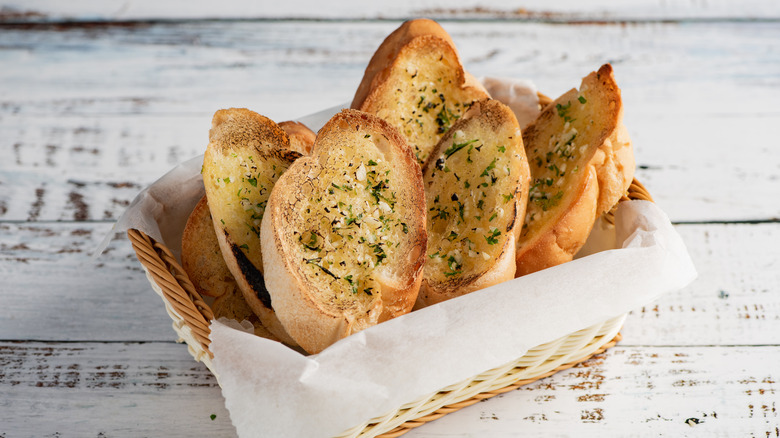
(271, 390)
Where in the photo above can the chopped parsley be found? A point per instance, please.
(546, 203)
(456, 147)
(490, 167)
(492, 238)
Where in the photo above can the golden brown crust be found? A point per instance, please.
(303, 303)
(200, 255)
(376, 71)
(418, 61)
(301, 137)
(562, 239)
(585, 126)
(493, 127)
(245, 155)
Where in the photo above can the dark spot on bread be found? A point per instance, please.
(252, 275)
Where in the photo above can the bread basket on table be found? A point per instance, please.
(191, 319)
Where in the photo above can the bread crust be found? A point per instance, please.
(241, 132)
(376, 70)
(560, 240)
(201, 258)
(376, 93)
(301, 137)
(313, 321)
(492, 116)
(606, 174)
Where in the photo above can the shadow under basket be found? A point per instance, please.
(191, 317)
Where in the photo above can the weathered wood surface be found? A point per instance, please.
(92, 112)
(78, 144)
(45, 10)
(107, 389)
(733, 302)
(155, 389)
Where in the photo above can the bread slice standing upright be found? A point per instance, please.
(416, 82)
(201, 257)
(476, 187)
(301, 137)
(581, 164)
(246, 155)
(344, 232)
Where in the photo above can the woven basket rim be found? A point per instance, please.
(192, 316)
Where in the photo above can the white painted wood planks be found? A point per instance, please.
(80, 143)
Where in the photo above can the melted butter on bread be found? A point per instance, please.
(344, 235)
(352, 229)
(476, 188)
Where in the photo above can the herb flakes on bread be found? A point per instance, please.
(581, 164)
(476, 187)
(344, 233)
(246, 154)
(416, 82)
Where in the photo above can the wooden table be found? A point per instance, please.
(98, 100)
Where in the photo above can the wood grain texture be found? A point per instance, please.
(735, 299)
(80, 145)
(37, 10)
(155, 389)
(733, 302)
(52, 290)
(652, 391)
(107, 389)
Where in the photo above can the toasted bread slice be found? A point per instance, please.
(301, 137)
(200, 255)
(246, 155)
(577, 153)
(416, 81)
(202, 260)
(476, 187)
(344, 233)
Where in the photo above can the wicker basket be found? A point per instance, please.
(191, 316)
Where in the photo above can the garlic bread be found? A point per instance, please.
(246, 154)
(476, 188)
(301, 137)
(344, 236)
(416, 82)
(201, 257)
(581, 163)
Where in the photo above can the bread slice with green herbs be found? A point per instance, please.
(581, 164)
(246, 155)
(476, 187)
(344, 232)
(416, 82)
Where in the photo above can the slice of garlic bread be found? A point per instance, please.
(206, 268)
(201, 257)
(476, 187)
(246, 154)
(581, 163)
(416, 82)
(344, 233)
(301, 137)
